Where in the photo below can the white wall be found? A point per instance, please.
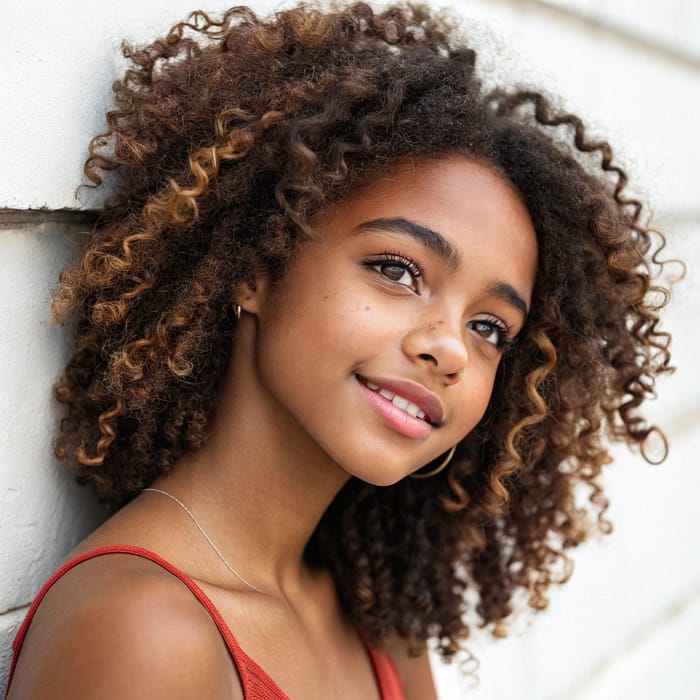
(626, 627)
(42, 514)
(628, 624)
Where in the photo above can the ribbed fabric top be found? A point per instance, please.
(257, 685)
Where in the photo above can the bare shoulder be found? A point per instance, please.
(414, 671)
(120, 627)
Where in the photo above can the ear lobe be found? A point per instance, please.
(250, 295)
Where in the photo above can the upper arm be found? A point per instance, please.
(414, 671)
(149, 640)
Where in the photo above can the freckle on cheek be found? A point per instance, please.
(368, 308)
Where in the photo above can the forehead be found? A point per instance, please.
(478, 211)
(476, 186)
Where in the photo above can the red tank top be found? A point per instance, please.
(257, 685)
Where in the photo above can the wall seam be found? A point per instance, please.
(18, 608)
(636, 40)
(637, 638)
(23, 218)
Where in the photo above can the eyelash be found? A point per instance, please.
(505, 342)
(394, 259)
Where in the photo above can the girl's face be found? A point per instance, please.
(381, 344)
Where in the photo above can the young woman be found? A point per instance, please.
(351, 333)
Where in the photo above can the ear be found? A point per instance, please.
(251, 295)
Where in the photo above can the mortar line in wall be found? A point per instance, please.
(636, 40)
(21, 218)
(636, 639)
(18, 608)
(677, 216)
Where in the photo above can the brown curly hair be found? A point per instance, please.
(227, 137)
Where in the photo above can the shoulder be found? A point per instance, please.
(119, 626)
(414, 671)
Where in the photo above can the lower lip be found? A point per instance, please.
(396, 418)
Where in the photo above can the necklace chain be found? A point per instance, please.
(206, 537)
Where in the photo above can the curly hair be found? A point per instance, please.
(227, 137)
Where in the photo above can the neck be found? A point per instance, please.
(259, 486)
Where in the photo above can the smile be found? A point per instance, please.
(406, 406)
(398, 401)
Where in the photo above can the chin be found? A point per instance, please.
(383, 477)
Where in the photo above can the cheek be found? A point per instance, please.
(475, 400)
(302, 342)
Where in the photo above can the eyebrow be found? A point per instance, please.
(440, 245)
(504, 291)
(429, 238)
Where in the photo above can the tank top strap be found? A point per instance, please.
(257, 685)
(387, 676)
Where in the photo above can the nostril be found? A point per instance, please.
(427, 357)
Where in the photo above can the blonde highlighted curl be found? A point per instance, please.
(227, 136)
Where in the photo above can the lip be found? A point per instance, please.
(416, 393)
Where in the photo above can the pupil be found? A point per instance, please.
(393, 272)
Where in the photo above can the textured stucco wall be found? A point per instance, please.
(42, 513)
(626, 626)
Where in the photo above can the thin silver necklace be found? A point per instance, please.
(206, 537)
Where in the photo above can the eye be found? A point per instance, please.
(396, 273)
(396, 269)
(492, 330)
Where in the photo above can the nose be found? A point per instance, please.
(441, 347)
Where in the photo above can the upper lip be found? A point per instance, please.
(416, 393)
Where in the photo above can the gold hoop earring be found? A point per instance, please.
(237, 311)
(439, 468)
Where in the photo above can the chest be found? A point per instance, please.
(308, 650)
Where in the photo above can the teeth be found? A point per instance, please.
(413, 410)
(398, 401)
